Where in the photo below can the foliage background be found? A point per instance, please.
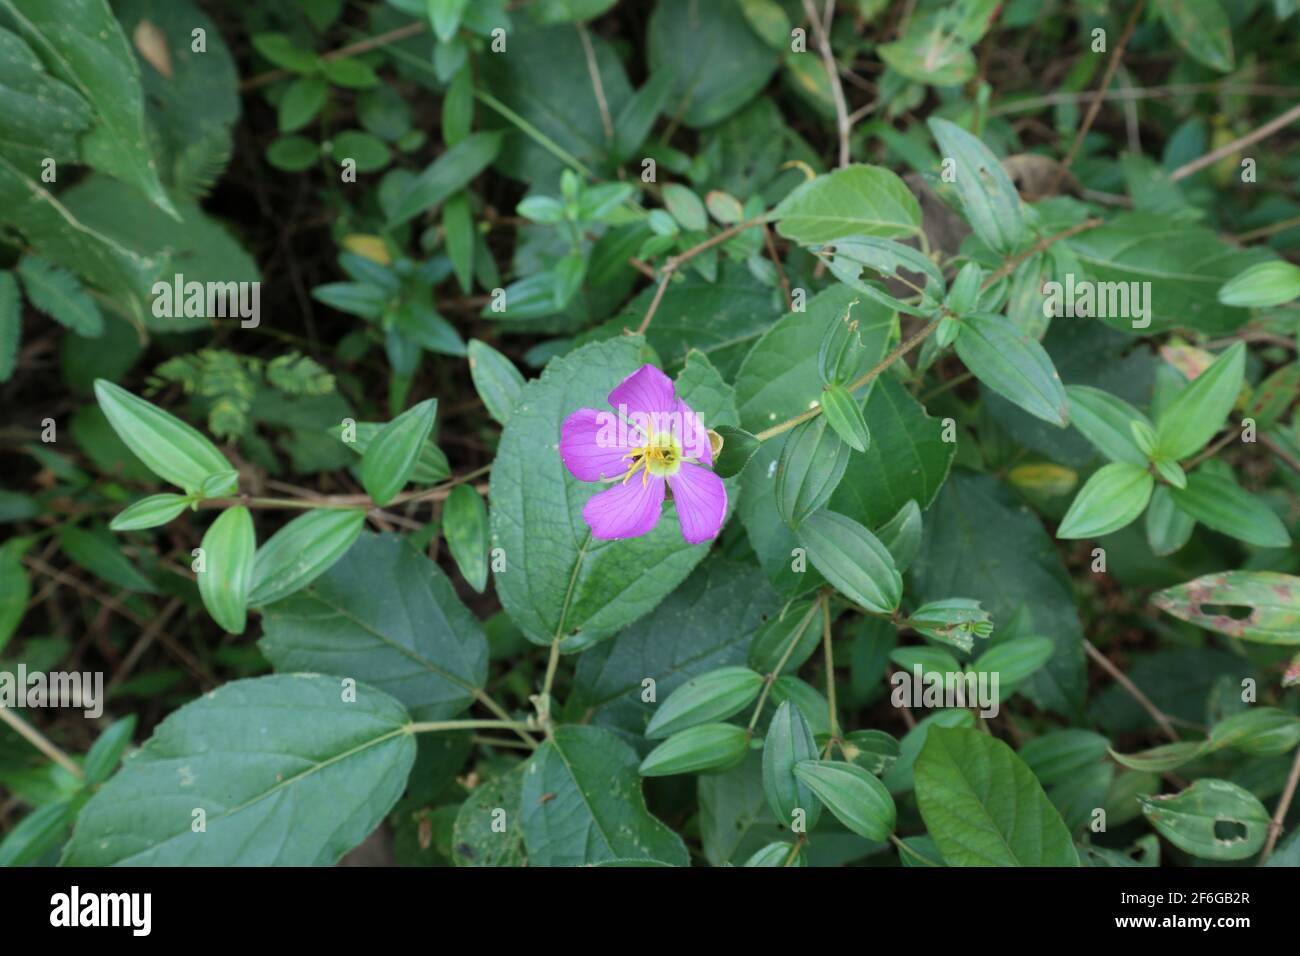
(521, 169)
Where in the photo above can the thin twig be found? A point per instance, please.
(675, 262)
(1254, 136)
(40, 741)
(1095, 106)
(780, 272)
(1284, 804)
(820, 28)
(594, 69)
(1122, 679)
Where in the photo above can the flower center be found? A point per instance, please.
(660, 456)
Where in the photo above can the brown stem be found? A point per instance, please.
(1284, 804)
(1122, 679)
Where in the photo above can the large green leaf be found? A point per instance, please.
(285, 771)
(1201, 28)
(984, 190)
(545, 81)
(1220, 503)
(302, 551)
(560, 582)
(981, 542)
(173, 450)
(1185, 264)
(716, 61)
(677, 641)
(853, 201)
(722, 319)
(983, 807)
(1211, 819)
(477, 838)
(81, 43)
(1273, 600)
(582, 804)
(779, 377)
(387, 615)
(1009, 361)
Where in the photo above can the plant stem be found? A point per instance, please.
(780, 665)
(1283, 804)
(40, 742)
(433, 726)
(829, 656)
(1122, 679)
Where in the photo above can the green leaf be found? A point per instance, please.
(445, 16)
(171, 449)
(282, 51)
(476, 837)
(15, 590)
(1168, 526)
(856, 798)
(780, 377)
(1163, 758)
(980, 540)
(1200, 409)
(1201, 28)
(80, 42)
(387, 615)
(293, 154)
(1105, 420)
(844, 414)
(712, 696)
(11, 325)
(853, 201)
(1211, 819)
(1223, 505)
(852, 560)
(99, 553)
(738, 446)
(1111, 499)
(60, 295)
(704, 747)
(304, 98)
(1260, 732)
(716, 61)
(302, 551)
(107, 750)
(686, 207)
(1263, 286)
(448, 174)
(228, 548)
(1014, 365)
(561, 583)
(40, 832)
(984, 807)
(1273, 600)
(431, 466)
(989, 200)
(546, 134)
(1184, 263)
(901, 535)
(149, 512)
(790, 638)
(676, 642)
(813, 460)
(465, 527)
(497, 380)
(286, 755)
(582, 804)
(1015, 661)
(387, 464)
(789, 742)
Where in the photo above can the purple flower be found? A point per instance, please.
(651, 442)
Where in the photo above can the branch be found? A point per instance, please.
(1212, 157)
(1095, 106)
(1122, 679)
(832, 74)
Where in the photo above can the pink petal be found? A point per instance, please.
(701, 501)
(626, 510)
(693, 435)
(646, 390)
(589, 445)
